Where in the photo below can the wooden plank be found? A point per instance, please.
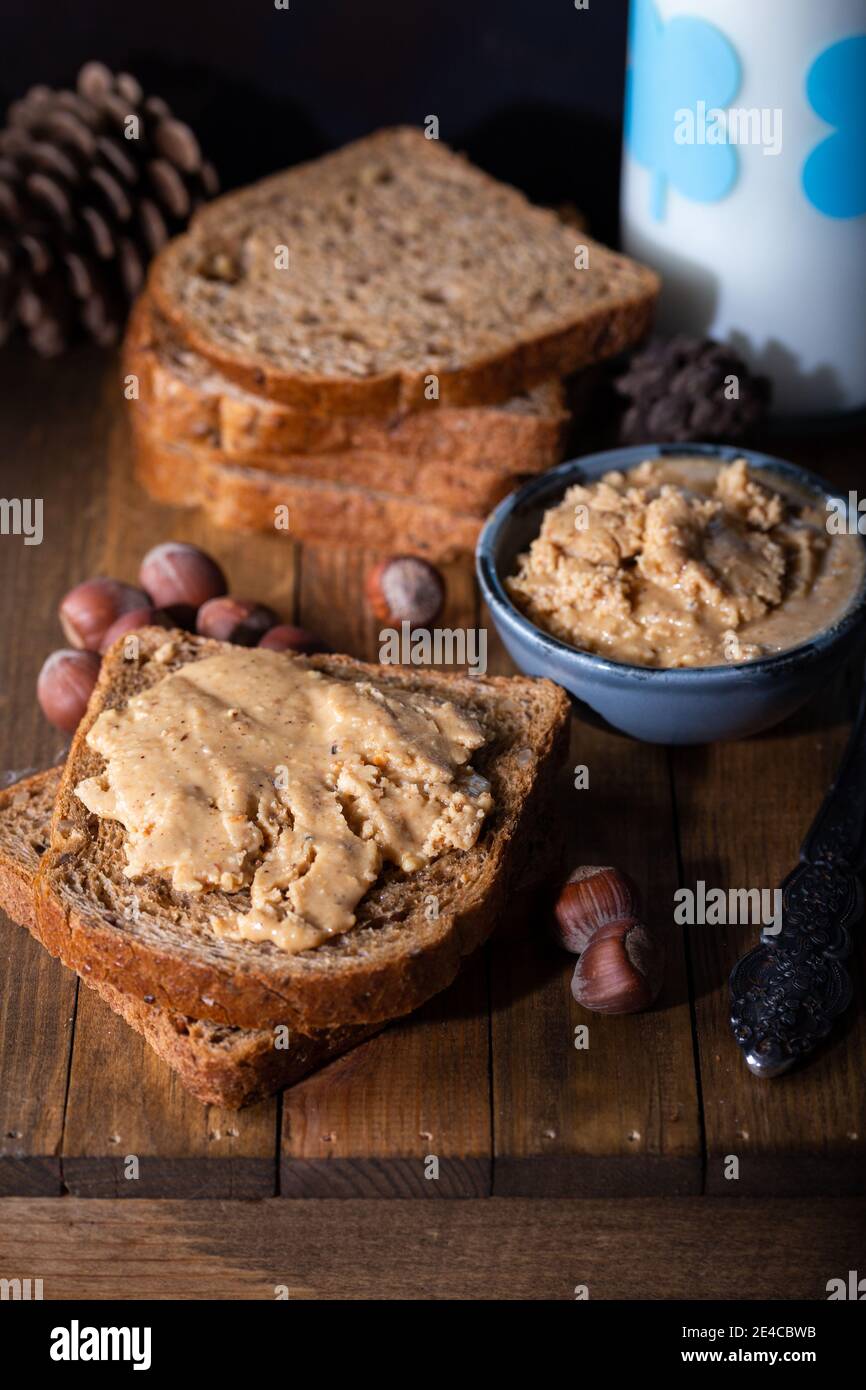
(46, 452)
(804, 1133)
(651, 1248)
(37, 1010)
(743, 809)
(366, 1125)
(627, 1122)
(125, 1103)
(620, 1118)
(370, 1124)
(122, 1099)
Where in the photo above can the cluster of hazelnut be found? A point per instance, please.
(620, 969)
(179, 586)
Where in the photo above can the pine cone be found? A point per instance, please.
(679, 390)
(92, 184)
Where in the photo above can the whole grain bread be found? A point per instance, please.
(192, 403)
(151, 941)
(230, 1067)
(219, 1065)
(470, 491)
(320, 512)
(345, 284)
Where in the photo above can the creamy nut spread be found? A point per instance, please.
(247, 769)
(682, 562)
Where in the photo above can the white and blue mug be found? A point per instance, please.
(744, 183)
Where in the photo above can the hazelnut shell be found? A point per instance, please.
(89, 610)
(621, 971)
(405, 588)
(591, 897)
(239, 620)
(146, 617)
(64, 685)
(178, 573)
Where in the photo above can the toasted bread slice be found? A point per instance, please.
(192, 403)
(321, 512)
(347, 284)
(153, 942)
(230, 1067)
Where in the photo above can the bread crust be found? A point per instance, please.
(394, 971)
(191, 403)
(229, 1067)
(319, 512)
(468, 491)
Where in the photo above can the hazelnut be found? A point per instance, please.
(621, 971)
(139, 617)
(405, 589)
(590, 898)
(237, 620)
(88, 610)
(175, 572)
(64, 685)
(285, 638)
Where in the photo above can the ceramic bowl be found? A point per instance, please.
(691, 705)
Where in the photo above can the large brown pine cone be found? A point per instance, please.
(92, 183)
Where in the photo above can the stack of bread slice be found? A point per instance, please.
(372, 344)
(239, 1019)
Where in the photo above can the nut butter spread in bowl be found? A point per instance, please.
(686, 593)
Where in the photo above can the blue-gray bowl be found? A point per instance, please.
(689, 705)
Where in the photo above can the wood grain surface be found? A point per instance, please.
(369, 1125)
(63, 465)
(642, 1248)
(486, 1080)
(620, 1113)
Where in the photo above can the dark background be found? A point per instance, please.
(530, 89)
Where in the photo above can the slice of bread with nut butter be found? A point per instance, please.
(259, 838)
(229, 1067)
(219, 1065)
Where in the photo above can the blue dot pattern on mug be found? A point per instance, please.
(673, 66)
(834, 175)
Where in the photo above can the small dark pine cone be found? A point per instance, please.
(679, 391)
(83, 207)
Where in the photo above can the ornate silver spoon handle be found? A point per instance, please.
(786, 992)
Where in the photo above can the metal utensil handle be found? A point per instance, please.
(786, 992)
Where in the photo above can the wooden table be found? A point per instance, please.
(486, 1077)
